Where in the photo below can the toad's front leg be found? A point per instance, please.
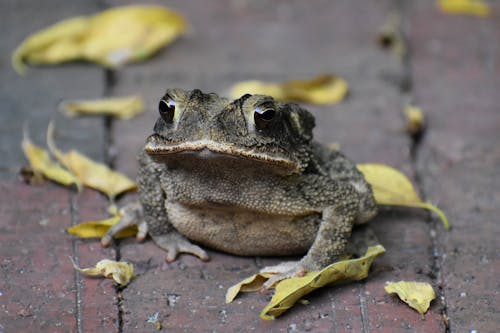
(328, 246)
(151, 216)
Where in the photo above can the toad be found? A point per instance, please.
(245, 177)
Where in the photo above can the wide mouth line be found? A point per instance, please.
(165, 149)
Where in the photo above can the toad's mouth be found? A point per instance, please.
(161, 151)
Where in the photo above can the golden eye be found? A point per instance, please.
(263, 116)
(167, 109)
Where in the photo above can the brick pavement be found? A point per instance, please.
(232, 41)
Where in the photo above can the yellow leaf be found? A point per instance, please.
(259, 88)
(252, 283)
(40, 47)
(120, 271)
(323, 89)
(391, 187)
(111, 38)
(97, 229)
(92, 174)
(41, 162)
(122, 107)
(417, 295)
(465, 7)
(289, 291)
(132, 33)
(414, 119)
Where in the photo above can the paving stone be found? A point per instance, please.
(455, 65)
(39, 286)
(37, 280)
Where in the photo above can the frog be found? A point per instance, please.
(244, 177)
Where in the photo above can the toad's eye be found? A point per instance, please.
(167, 110)
(263, 116)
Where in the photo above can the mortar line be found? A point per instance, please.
(334, 311)
(365, 316)
(110, 80)
(76, 259)
(416, 143)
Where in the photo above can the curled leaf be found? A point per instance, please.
(120, 271)
(323, 89)
(391, 187)
(111, 38)
(97, 229)
(42, 163)
(92, 174)
(252, 283)
(465, 7)
(289, 291)
(121, 107)
(415, 120)
(417, 295)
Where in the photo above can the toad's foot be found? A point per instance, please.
(284, 271)
(174, 243)
(132, 214)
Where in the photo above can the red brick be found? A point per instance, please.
(37, 278)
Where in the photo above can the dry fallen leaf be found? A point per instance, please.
(391, 187)
(111, 38)
(289, 291)
(120, 271)
(417, 295)
(258, 87)
(122, 107)
(41, 162)
(465, 7)
(252, 283)
(415, 120)
(29, 176)
(390, 37)
(323, 89)
(97, 229)
(92, 174)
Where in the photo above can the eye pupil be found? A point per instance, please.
(263, 117)
(167, 110)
